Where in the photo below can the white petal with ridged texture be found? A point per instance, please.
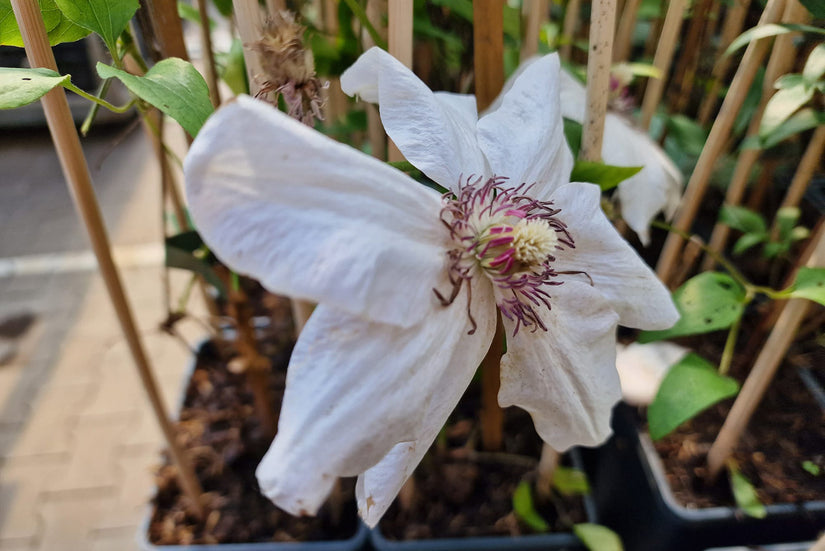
(312, 218)
(656, 188)
(356, 390)
(523, 139)
(432, 133)
(565, 377)
(618, 273)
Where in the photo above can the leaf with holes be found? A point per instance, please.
(525, 510)
(690, 387)
(174, 86)
(597, 537)
(23, 86)
(105, 17)
(708, 302)
(810, 284)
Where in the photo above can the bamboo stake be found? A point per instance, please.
(488, 64)
(663, 59)
(763, 370)
(571, 20)
(400, 46)
(807, 166)
(167, 26)
(548, 463)
(275, 6)
(688, 60)
(248, 19)
(375, 131)
(76, 172)
(780, 61)
(734, 22)
(209, 55)
(719, 133)
(819, 545)
(535, 12)
(602, 23)
(624, 33)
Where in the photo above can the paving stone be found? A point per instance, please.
(48, 430)
(136, 487)
(124, 539)
(92, 466)
(68, 524)
(21, 493)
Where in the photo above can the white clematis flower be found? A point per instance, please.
(654, 189)
(409, 283)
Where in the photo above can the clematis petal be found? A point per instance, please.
(312, 218)
(523, 139)
(565, 377)
(433, 131)
(656, 188)
(357, 390)
(618, 273)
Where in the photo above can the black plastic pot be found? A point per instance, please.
(633, 498)
(566, 541)
(805, 546)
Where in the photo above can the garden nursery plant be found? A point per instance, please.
(501, 258)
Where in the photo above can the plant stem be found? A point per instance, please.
(99, 101)
(361, 14)
(730, 346)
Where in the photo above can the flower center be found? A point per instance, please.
(512, 238)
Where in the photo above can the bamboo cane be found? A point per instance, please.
(763, 370)
(488, 64)
(76, 172)
(400, 46)
(167, 26)
(375, 131)
(819, 545)
(624, 32)
(734, 22)
(602, 24)
(275, 6)
(209, 55)
(807, 166)
(535, 12)
(719, 133)
(685, 68)
(248, 19)
(571, 21)
(548, 463)
(663, 59)
(780, 61)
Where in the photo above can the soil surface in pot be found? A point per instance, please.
(460, 492)
(786, 435)
(222, 435)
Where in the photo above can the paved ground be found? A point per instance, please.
(77, 438)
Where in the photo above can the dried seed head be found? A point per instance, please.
(289, 69)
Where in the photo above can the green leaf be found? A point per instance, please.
(23, 86)
(687, 133)
(644, 70)
(224, 7)
(190, 13)
(772, 250)
(570, 482)
(812, 468)
(188, 260)
(573, 134)
(707, 302)
(605, 176)
(771, 29)
(745, 494)
(747, 241)
(810, 284)
(107, 18)
(782, 105)
(232, 68)
(815, 65)
(785, 220)
(742, 219)
(789, 81)
(816, 7)
(690, 386)
(174, 86)
(597, 537)
(803, 120)
(799, 233)
(58, 28)
(525, 510)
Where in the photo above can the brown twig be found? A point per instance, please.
(209, 55)
(624, 32)
(663, 59)
(400, 46)
(569, 26)
(534, 14)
